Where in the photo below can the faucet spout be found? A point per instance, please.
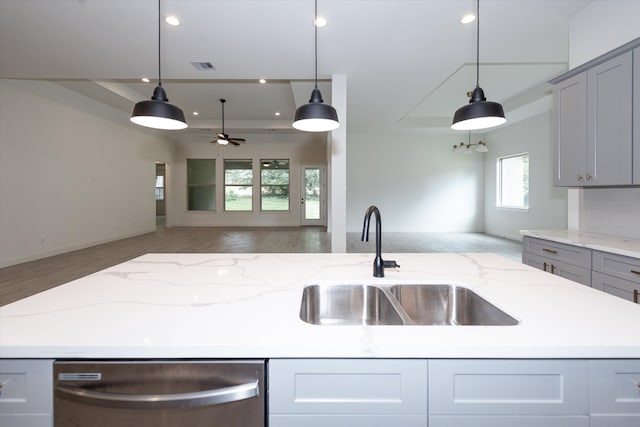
(378, 263)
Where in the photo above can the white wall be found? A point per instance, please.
(73, 172)
(547, 204)
(601, 26)
(416, 180)
(598, 28)
(298, 147)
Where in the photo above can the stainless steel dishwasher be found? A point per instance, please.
(159, 393)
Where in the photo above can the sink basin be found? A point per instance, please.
(399, 305)
(347, 305)
(448, 305)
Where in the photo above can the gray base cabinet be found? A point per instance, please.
(616, 274)
(568, 261)
(26, 396)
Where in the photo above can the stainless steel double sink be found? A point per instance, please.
(399, 305)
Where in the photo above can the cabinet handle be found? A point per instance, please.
(579, 177)
(551, 251)
(544, 266)
(553, 269)
(635, 272)
(635, 299)
(588, 177)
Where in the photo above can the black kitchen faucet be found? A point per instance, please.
(378, 263)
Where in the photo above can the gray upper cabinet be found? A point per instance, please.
(609, 122)
(594, 122)
(636, 116)
(570, 130)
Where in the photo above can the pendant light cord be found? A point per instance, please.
(159, 67)
(315, 24)
(477, 43)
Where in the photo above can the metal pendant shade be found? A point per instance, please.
(478, 113)
(316, 116)
(157, 113)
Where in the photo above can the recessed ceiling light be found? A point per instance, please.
(277, 113)
(195, 113)
(320, 22)
(468, 18)
(146, 80)
(172, 20)
(262, 81)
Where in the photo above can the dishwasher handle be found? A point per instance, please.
(159, 401)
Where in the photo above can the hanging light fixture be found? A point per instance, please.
(157, 113)
(316, 116)
(478, 113)
(481, 147)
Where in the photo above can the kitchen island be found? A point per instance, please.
(572, 360)
(247, 305)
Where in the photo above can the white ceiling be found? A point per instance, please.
(408, 63)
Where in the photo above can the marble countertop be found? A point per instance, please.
(600, 242)
(247, 306)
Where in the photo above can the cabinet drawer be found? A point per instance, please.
(620, 266)
(574, 255)
(348, 420)
(26, 397)
(347, 386)
(508, 421)
(562, 269)
(615, 387)
(615, 421)
(508, 387)
(615, 286)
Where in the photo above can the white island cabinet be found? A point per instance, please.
(347, 393)
(454, 393)
(26, 393)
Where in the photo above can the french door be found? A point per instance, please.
(313, 195)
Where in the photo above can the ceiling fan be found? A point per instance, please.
(223, 138)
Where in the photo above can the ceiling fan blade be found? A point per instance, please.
(234, 142)
(237, 139)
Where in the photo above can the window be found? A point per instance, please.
(513, 182)
(160, 187)
(274, 185)
(238, 185)
(201, 184)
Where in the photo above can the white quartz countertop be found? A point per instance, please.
(247, 306)
(600, 242)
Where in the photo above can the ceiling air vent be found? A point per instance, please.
(203, 66)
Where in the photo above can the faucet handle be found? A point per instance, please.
(390, 264)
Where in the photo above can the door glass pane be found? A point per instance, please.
(312, 193)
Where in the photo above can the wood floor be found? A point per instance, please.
(22, 280)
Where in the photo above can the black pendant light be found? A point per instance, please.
(478, 113)
(157, 113)
(316, 116)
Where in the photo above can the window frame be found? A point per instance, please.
(191, 186)
(499, 183)
(224, 195)
(287, 185)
